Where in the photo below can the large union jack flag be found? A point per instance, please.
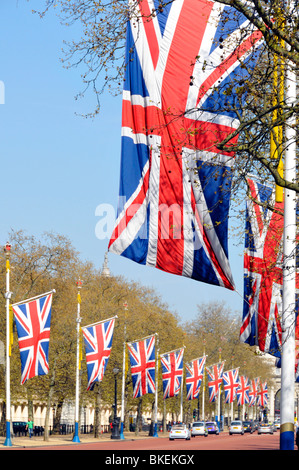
(175, 183)
(194, 375)
(33, 320)
(262, 394)
(230, 384)
(172, 372)
(215, 373)
(263, 275)
(98, 343)
(143, 363)
(243, 390)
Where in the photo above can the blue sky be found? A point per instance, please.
(57, 167)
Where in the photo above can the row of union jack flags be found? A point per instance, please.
(33, 319)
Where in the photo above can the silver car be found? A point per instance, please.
(265, 428)
(236, 427)
(199, 429)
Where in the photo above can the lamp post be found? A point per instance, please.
(115, 425)
(7, 442)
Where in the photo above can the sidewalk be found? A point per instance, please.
(38, 441)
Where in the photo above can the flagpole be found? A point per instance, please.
(156, 391)
(181, 407)
(78, 320)
(8, 442)
(122, 415)
(289, 274)
(203, 385)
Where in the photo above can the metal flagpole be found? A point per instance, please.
(7, 442)
(181, 408)
(122, 414)
(289, 273)
(156, 390)
(78, 320)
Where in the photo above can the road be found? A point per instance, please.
(162, 444)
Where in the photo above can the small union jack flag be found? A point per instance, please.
(194, 375)
(253, 391)
(262, 394)
(178, 105)
(33, 319)
(143, 363)
(98, 343)
(172, 372)
(230, 384)
(215, 379)
(243, 391)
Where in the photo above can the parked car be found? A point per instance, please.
(212, 427)
(265, 428)
(179, 431)
(199, 429)
(248, 426)
(236, 427)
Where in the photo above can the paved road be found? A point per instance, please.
(222, 442)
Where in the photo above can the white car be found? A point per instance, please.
(199, 429)
(236, 427)
(179, 431)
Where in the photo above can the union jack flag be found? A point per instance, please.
(215, 373)
(172, 372)
(98, 343)
(263, 276)
(230, 384)
(243, 391)
(142, 359)
(33, 320)
(175, 183)
(253, 391)
(194, 375)
(262, 394)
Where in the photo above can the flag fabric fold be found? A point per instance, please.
(172, 372)
(194, 375)
(262, 394)
(33, 321)
(175, 183)
(143, 363)
(98, 343)
(215, 373)
(243, 391)
(230, 384)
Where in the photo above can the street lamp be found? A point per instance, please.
(115, 425)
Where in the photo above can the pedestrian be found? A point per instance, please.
(30, 428)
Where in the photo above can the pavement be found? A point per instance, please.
(54, 440)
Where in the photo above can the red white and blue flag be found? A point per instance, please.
(262, 305)
(33, 321)
(262, 394)
(175, 183)
(215, 373)
(194, 375)
(172, 372)
(98, 343)
(253, 391)
(230, 384)
(143, 363)
(243, 391)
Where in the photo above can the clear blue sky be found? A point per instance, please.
(58, 167)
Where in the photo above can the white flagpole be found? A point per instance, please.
(289, 274)
(78, 320)
(7, 442)
(181, 408)
(156, 391)
(122, 414)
